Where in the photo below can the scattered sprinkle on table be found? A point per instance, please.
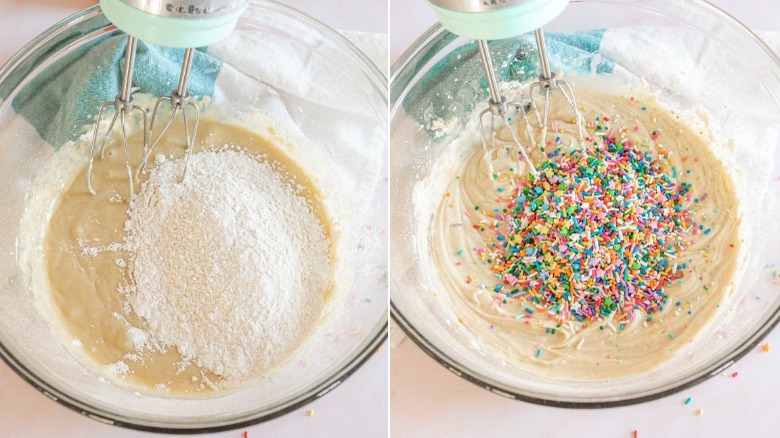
(765, 348)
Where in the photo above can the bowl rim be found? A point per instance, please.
(377, 335)
(437, 32)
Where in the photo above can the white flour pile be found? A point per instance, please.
(229, 266)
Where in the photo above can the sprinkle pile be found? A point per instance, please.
(594, 235)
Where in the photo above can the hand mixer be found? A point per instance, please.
(485, 20)
(175, 23)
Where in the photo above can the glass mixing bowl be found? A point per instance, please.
(336, 105)
(693, 55)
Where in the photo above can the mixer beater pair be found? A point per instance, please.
(124, 105)
(200, 23)
(500, 19)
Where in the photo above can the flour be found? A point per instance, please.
(229, 265)
(118, 368)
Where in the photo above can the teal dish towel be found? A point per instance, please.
(66, 96)
(456, 82)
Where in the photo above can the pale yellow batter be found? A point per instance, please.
(600, 350)
(85, 287)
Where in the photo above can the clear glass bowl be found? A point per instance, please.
(357, 120)
(727, 70)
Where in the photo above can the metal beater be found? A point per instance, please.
(179, 100)
(500, 19)
(123, 105)
(548, 82)
(189, 24)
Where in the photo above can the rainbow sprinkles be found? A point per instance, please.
(595, 234)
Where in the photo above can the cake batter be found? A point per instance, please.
(92, 287)
(544, 340)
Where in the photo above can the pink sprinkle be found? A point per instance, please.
(636, 128)
(555, 126)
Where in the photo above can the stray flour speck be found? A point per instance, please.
(117, 368)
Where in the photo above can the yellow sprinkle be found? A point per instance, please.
(310, 412)
(700, 412)
(765, 348)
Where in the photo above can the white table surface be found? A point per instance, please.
(427, 400)
(358, 407)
